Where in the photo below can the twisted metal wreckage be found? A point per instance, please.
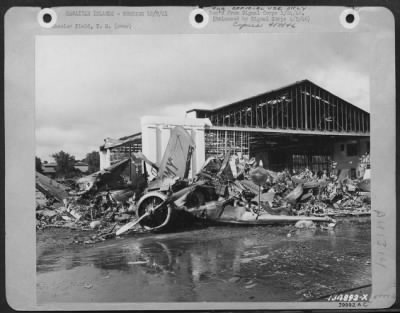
(229, 189)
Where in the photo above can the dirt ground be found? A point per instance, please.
(220, 263)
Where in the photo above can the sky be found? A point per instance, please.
(92, 87)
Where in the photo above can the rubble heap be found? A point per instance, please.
(224, 181)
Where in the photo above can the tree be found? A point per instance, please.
(38, 165)
(65, 164)
(93, 161)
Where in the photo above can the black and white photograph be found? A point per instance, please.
(203, 167)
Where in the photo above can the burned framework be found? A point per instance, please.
(114, 150)
(302, 106)
(297, 126)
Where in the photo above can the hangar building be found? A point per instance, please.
(296, 126)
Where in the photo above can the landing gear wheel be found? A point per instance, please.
(157, 217)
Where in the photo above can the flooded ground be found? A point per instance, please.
(211, 264)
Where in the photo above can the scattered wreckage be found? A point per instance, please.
(228, 190)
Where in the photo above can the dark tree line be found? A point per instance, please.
(65, 163)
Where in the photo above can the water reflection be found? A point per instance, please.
(264, 257)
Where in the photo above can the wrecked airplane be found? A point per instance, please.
(215, 196)
(228, 190)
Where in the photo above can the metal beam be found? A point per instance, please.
(323, 110)
(362, 121)
(351, 119)
(297, 109)
(262, 115)
(272, 114)
(288, 131)
(251, 115)
(341, 119)
(330, 125)
(255, 106)
(281, 104)
(319, 110)
(301, 109)
(291, 107)
(337, 114)
(305, 108)
(315, 108)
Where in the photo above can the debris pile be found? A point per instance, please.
(229, 189)
(101, 214)
(304, 193)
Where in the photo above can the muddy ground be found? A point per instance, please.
(220, 263)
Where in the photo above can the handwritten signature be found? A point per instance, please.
(244, 25)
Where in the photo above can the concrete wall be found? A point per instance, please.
(348, 162)
(105, 158)
(156, 132)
